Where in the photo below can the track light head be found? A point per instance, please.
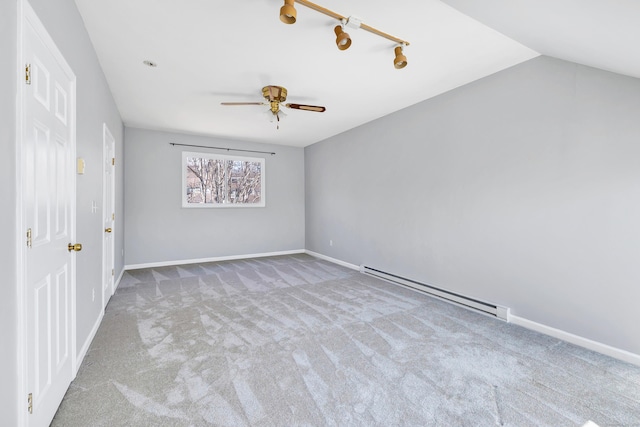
(400, 60)
(288, 12)
(343, 41)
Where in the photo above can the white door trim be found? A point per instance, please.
(27, 16)
(107, 136)
(21, 342)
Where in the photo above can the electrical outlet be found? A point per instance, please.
(330, 242)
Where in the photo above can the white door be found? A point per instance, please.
(48, 203)
(108, 214)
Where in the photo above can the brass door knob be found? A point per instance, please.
(77, 247)
(108, 230)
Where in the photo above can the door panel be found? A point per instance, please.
(48, 192)
(61, 206)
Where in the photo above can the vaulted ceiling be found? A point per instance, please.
(208, 52)
(598, 33)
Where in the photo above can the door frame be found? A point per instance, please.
(27, 16)
(108, 136)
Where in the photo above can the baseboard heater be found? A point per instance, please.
(474, 304)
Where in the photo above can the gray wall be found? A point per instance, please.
(522, 188)
(160, 230)
(8, 301)
(95, 105)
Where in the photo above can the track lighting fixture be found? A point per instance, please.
(400, 60)
(288, 12)
(343, 41)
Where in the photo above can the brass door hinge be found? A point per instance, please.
(113, 272)
(29, 241)
(113, 216)
(30, 402)
(113, 161)
(27, 74)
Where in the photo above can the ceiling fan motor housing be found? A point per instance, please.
(274, 93)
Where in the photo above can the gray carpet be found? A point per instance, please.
(296, 341)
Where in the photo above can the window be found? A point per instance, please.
(214, 180)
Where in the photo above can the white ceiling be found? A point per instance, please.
(598, 33)
(211, 51)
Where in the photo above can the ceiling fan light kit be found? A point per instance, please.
(275, 117)
(343, 41)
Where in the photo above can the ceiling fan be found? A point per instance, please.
(275, 97)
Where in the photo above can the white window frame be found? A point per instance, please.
(227, 203)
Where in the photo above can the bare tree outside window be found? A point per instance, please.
(211, 180)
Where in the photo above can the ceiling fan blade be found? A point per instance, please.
(306, 107)
(242, 103)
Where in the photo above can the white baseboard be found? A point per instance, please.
(85, 347)
(117, 283)
(213, 259)
(599, 347)
(333, 260)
